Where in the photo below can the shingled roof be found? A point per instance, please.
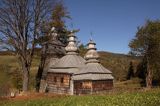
(92, 76)
(94, 68)
(71, 60)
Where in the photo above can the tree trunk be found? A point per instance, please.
(41, 67)
(39, 76)
(25, 78)
(149, 80)
(149, 76)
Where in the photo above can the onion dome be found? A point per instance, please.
(71, 48)
(54, 46)
(92, 55)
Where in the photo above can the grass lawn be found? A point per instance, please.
(139, 98)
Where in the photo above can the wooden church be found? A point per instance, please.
(73, 74)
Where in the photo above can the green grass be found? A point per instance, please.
(8, 60)
(148, 98)
(133, 83)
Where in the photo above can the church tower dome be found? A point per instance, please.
(91, 55)
(71, 48)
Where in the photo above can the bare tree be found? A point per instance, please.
(20, 26)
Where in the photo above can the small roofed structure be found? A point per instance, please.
(92, 78)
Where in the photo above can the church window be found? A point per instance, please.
(55, 79)
(62, 80)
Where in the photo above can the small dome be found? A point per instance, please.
(91, 53)
(71, 47)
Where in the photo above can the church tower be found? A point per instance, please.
(93, 77)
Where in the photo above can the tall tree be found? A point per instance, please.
(147, 44)
(57, 26)
(20, 26)
(59, 15)
(82, 50)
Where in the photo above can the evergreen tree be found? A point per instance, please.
(147, 44)
(56, 25)
(130, 71)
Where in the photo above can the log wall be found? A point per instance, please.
(82, 87)
(102, 85)
(90, 87)
(58, 83)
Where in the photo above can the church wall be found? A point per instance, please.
(58, 83)
(51, 52)
(91, 87)
(82, 87)
(102, 85)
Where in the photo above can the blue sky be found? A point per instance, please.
(112, 22)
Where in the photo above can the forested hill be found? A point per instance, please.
(117, 63)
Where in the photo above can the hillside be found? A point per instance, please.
(10, 72)
(118, 63)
